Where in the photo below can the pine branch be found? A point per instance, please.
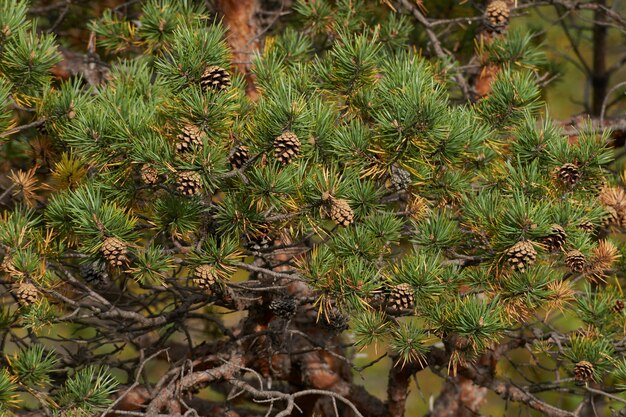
(436, 44)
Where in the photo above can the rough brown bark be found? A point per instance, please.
(460, 397)
(398, 386)
(243, 34)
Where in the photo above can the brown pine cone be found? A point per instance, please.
(556, 239)
(583, 371)
(497, 15)
(575, 260)
(149, 174)
(569, 174)
(286, 147)
(205, 277)
(190, 137)
(27, 294)
(114, 251)
(215, 78)
(586, 226)
(239, 156)
(521, 255)
(188, 183)
(341, 213)
(401, 297)
(7, 266)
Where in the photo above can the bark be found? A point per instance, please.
(243, 34)
(398, 386)
(482, 85)
(599, 76)
(460, 397)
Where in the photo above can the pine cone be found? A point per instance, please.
(9, 268)
(497, 15)
(286, 147)
(27, 294)
(613, 200)
(340, 212)
(239, 156)
(521, 255)
(285, 307)
(575, 260)
(204, 277)
(401, 297)
(569, 174)
(190, 137)
(188, 183)
(95, 274)
(149, 174)
(215, 78)
(611, 217)
(556, 239)
(335, 321)
(258, 242)
(114, 251)
(618, 307)
(587, 227)
(583, 371)
(400, 178)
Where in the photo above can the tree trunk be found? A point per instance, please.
(240, 17)
(460, 397)
(599, 76)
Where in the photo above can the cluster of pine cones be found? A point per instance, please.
(523, 253)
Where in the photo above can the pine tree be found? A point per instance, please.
(367, 196)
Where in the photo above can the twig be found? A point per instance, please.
(436, 44)
(606, 394)
(290, 398)
(606, 99)
(134, 384)
(18, 129)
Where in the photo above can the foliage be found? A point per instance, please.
(129, 235)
